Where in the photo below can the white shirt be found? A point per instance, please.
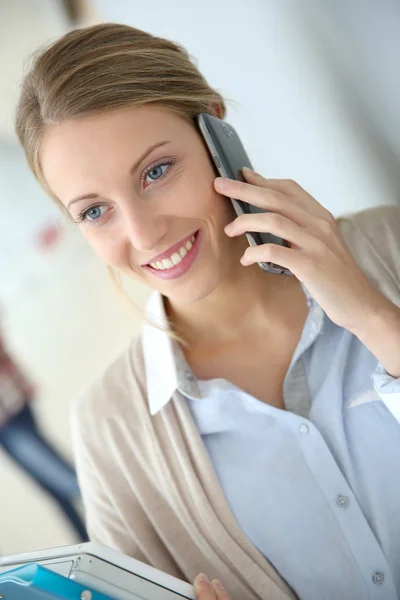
(316, 487)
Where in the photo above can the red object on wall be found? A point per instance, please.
(49, 237)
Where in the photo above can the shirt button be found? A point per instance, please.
(342, 501)
(304, 429)
(378, 578)
(189, 375)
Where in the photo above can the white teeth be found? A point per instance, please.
(157, 265)
(168, 263)
(176, 258)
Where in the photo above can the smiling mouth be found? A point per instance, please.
(175, 257)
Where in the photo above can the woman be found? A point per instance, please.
(242, 435)
(22, 440)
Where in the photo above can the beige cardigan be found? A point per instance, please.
(149, 488)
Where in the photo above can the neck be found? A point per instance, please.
(250, 302)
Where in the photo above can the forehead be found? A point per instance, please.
(105, 143)
(137, 124)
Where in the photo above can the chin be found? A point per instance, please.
(194, 291)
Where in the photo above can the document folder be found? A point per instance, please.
(33, 582)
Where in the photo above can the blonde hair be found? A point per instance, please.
(102, 68)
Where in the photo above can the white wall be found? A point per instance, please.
(24, 25)
(362, 43)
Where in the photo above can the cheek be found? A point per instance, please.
(195, 197)
(220, 210)
(110, 249)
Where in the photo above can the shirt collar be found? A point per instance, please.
(165, 365)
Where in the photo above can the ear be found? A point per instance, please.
(216, 110)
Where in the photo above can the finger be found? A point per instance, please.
(285, 186)
(308, 230)
(240, 190)
(280, 255)
(277, 225)
(291, 189)
(203, 588)
(219, 590)
(267, 199)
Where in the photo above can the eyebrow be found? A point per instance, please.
(132, 171)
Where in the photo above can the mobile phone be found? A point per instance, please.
(229, 157)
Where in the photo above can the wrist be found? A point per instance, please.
(379, 331)
(380, 318)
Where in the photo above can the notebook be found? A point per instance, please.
(33, 582)
(104, 571)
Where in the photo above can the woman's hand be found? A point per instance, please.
(206, 590)
(317, 256)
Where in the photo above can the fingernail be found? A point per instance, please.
(221, 183)
(251, 171)
(217, 585)
(228, 228)
(203, 578)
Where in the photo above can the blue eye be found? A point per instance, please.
(94, 213)
(157, 172)
(91, 214)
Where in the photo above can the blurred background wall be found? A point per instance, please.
(313, 90)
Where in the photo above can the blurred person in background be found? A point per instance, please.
(253, 434)
(24, 442)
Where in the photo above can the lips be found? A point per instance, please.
(177, 259)
(172, 250)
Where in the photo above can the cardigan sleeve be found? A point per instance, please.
(373, 236)
(103, 520)
(118, 509)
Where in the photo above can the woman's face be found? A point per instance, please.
(139, 183)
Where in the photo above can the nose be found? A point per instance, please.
(144, 227)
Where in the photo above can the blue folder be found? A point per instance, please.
(33, 582)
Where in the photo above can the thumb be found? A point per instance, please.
(219, 590)
(203, 588)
